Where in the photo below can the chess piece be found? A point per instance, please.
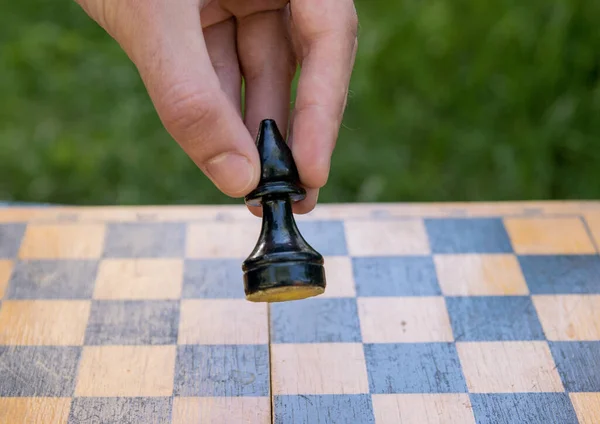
(282, 266)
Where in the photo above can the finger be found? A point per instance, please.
(221, 47)
(302, 207)
(174, 63)
(327, 43)
(308, 203)
(268, 65)
(212, 13)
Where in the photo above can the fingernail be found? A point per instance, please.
(232, 173)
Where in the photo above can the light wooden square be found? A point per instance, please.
(126, 371)
(339, 277)
(587, 407)
(322, 368)
(480, 275)
(62, 241)
(221, 239)
(387, 237)
(5, 272)
(222, 410)
(139, 279)
(549, 236)
(223, 321)
(43, 322)
(34, 410)
(509, 367)
(423, 408)
(404, 319)
(593, 222)
(569, 317)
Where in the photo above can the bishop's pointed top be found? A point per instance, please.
(279, 174)
(277, 162)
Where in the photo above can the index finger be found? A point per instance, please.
(326, 33)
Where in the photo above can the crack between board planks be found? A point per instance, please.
(271, 395)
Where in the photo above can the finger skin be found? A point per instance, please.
(220, 41)
(268, 65)
(212, 13)
(165, 41)
(326, 37)
(308, 203)
(302, 207)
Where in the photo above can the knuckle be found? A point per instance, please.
(187, 110)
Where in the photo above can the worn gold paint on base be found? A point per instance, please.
(285, 294)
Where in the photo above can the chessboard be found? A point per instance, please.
(437, 313)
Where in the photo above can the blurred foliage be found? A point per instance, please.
(450, 100)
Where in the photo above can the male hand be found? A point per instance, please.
(192, 55)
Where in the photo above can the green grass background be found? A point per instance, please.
(451, 100)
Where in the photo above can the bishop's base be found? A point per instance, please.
(284, 281)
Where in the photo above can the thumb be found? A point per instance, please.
(164, 39)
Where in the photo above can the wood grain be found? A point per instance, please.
(136, 314)
(221, 239)
(319, 368)
(339, 277)
(227, 213)
(43, 322)
(446, 408)
(508, 367)
(569, 317)
(232, 321)
(156, 278)
(126, 371)
(6, 267)
(404, 319)
(549, 235)
(225, 410)
(480, 275)
(587, 407)
(76, 241)
(27, 410)
(386, 237)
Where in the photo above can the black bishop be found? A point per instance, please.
(282, 266)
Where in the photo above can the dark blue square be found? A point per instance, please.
(468, 235)
(120, 410)
(561, 274)
(133, 322)
(494, 318)
(530, 408)
(38, 371)
(222, 370)
(316, 320)
(323, 409)
(213, 278)
(395, 276)
(326, 237)
(145, 240)
(578, 365)
(10, 239)
(52, 279)
(414, 368)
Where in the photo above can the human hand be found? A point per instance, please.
(192, 55)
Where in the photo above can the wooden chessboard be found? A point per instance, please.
(454, 313)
